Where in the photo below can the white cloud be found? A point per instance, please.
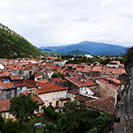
(56, 22)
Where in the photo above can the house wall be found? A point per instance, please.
(106, 91)
(72, 86)
(71, 96)
(1, 94)
(53, 97)
(26, 73)
(21, 89)
(7, 92)
(95, 74)
(7, 115)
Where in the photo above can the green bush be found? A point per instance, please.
(10, 127)
(50, 111)
(93, 130)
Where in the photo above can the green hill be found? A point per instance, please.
(12, 45)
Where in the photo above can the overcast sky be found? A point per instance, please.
(62, 22)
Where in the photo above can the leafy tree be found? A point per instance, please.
(10, 127)
(22, 107)
(68, 123)
(129, 60)
(74, 105)
(2, 121)
(51, 128)
(58, 75)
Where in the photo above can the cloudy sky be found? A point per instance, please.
(62, 22)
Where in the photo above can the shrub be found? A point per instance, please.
(50, 111)
(10, 127)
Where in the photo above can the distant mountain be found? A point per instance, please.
(78, 52)
(48, 52)
(93, 48)
(12, 45)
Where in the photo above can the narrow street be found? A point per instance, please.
(125, 112)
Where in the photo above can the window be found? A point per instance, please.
(69, 94)
(53, 96)
(72, 95)
(61, 94)
(65, 95)
(58, 95)
(84, 89)
(8, 94)
(81, 89)
(46, 98)
(6, 115)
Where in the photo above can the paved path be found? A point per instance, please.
(125, 112)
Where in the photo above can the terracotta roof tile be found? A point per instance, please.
(37, 98)
(7, 85)
(37, 75)
(110, 83)
(83, 98)
(50, 87)
(59, 80)
(20, 84)
(4, 105)
(102, 104)
(42, 81)
(81, 82)
(15, 77)
(30, 83)
(73, 92)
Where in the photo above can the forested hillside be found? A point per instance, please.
(12, 45)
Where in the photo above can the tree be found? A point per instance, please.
(58, 75)
(129, 60)
(10, 127)
(1, 122)
(51, 128)
(22, 107)
(68, 123)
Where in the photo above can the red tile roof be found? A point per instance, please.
(37, 98)
(4, 105)
(110, 83)
(25, 92)
(102, 104)
(97, 69)
(20, 84)
(81, 82)
(42, 81)
(15, 77)
(83, 98)
(59, 80)
(30, 83)
(92, 90)
(73, 92)
(50, 87)
(57, 68)
(37, 75)
(7, 85)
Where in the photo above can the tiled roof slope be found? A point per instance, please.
(20, 84)
(4, 105)
(49, 87)
(30, 83)
(102, 104)
(83, 98)
(7, 85)
(81, 82)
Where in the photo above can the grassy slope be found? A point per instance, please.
(13, 45)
